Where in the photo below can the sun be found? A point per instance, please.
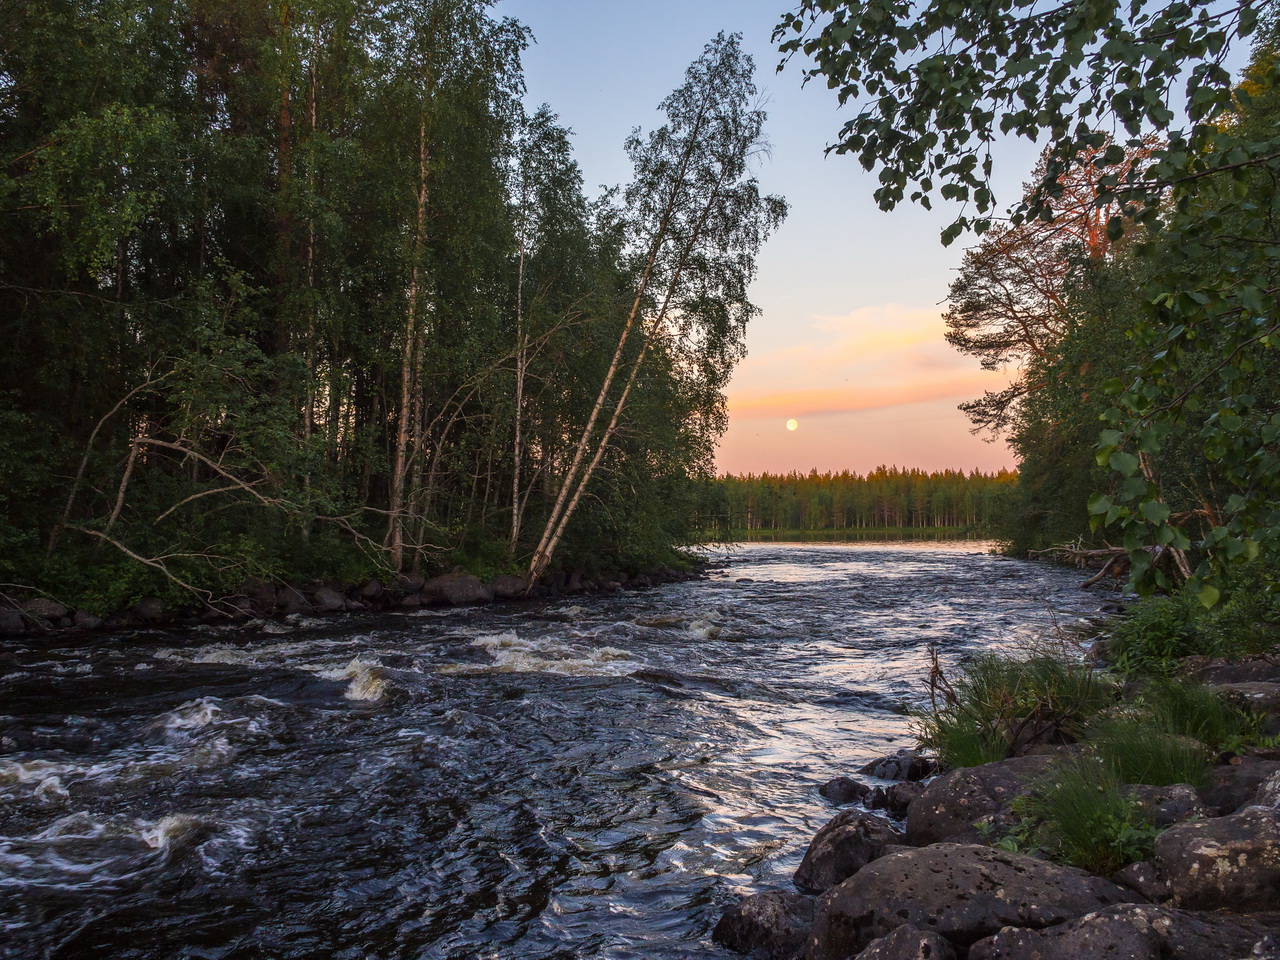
(793, 424)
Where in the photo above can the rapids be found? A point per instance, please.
(596, 778)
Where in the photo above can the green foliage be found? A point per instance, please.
(1157, 633)
(1000, 704)
(1085, 816)
(1144, 749)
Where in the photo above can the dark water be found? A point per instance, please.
(578, 779)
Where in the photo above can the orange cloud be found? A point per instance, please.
(821, 401)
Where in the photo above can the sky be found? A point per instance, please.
(850, 340)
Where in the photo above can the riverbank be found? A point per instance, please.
(1003, 861)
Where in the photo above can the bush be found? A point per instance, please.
(1158, 633)
(1086, 817)
(1001, 704)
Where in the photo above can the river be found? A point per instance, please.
(596, 777)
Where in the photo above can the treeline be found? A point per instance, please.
(887, 497)
(300, 290)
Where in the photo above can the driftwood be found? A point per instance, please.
(1111, 561)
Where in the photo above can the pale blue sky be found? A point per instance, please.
(850, 341)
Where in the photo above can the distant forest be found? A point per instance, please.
(887, 497)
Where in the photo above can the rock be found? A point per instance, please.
(1268, 794)
(83, 620)
(456, 589)
(900, 796)
(952, 803)
(12, 623)
(1143, 879)
(1221, 671)
(239, 607)
(411, 601)
(328, 600)
(290, 595)
(1170, 805)
(575, 584)
(148, 609)
(963, 892)
(1128, 931)
(259, 590)
(1234, 785)
(44, 608)
(908, 943)
(1268, 948)
(408, 583)
(774, 924)
(903, 765)
(1263, 696)
(371, 589)
(844, 790)
(1228, 862)
(846, 844)
(508, 586)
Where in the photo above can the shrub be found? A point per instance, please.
(1158, 633)
(999, 704)
(1087, 818)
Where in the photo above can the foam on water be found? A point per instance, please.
(368, 679)
(514, 654)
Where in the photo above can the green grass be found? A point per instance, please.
(1137, 749)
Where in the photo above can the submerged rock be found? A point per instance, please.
(954, 802)
(1227, 862)
(846, 844)
(772, 925)
(963, 892)
(1129, 931)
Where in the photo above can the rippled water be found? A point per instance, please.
(595, 778)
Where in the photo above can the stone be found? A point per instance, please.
(846, 844)
(12, 623)
(148, 609)
(900, 796)
(1143, 879)
(44, 608)
(1268, 948)
(1234, 785)
(963, 892)
(952, 803)
(772, 925)
(508, 586)
(259, 590)
(1268, 794)
(1128, 931)
(328, 600)
(371, 589)
(1263, 696)
(1221, 671)
(1228, 862)
(844, 790)
(908, 943)
(408, 583)
(903, 765)
(411, 601)
(456, 589)
(287, 595)
(83, 620)
(1170, 805)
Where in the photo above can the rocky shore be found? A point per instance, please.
(907, 871)
(261, 599)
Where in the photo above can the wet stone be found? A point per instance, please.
(846, 844)
(766, 925)
(843, 790)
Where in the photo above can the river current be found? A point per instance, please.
(596, 777)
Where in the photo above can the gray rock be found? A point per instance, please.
(1228, 862)
(371, 589)
(290, 596)
(1268, 794)
(1238, 671)
(1143, 879)
(45, 608)
(903, 765)
(1128, 931)
(409, 583)
(846, 844)
(411, 601)
(508, 586)
(952, 803)
(1261, 695)
(772, 925)
(963, 892)
(1268, 948)
(908, 943)
(260, 590)
(85, 621)
(149, 610)
(900, 796)
(328, 600)
(1234, 785)
(456, 589)
(844, 790)
(1170, 805)
(12, 623)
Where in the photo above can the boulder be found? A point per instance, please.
(260, 590)
(1261, 695)
(772, 925)
(508, 586)
(844, 790)
(371, 589)
(1220, 671)
(409, 583)
(1268, 794)
(1228, 862)
(44, 608)
(84, 620)
(952, 803)
(12, 623)
(1169, 805)
(328, 600)
(900, 796)
(1234, 785)
(903, 765)
(1143, 879)
(411, 601)
(1129, 931)
(908, 943)
(148, 610)
(846, 844)
(964, 892)
(456, 589)
(290, 596)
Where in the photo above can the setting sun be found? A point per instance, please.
(793, 424)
